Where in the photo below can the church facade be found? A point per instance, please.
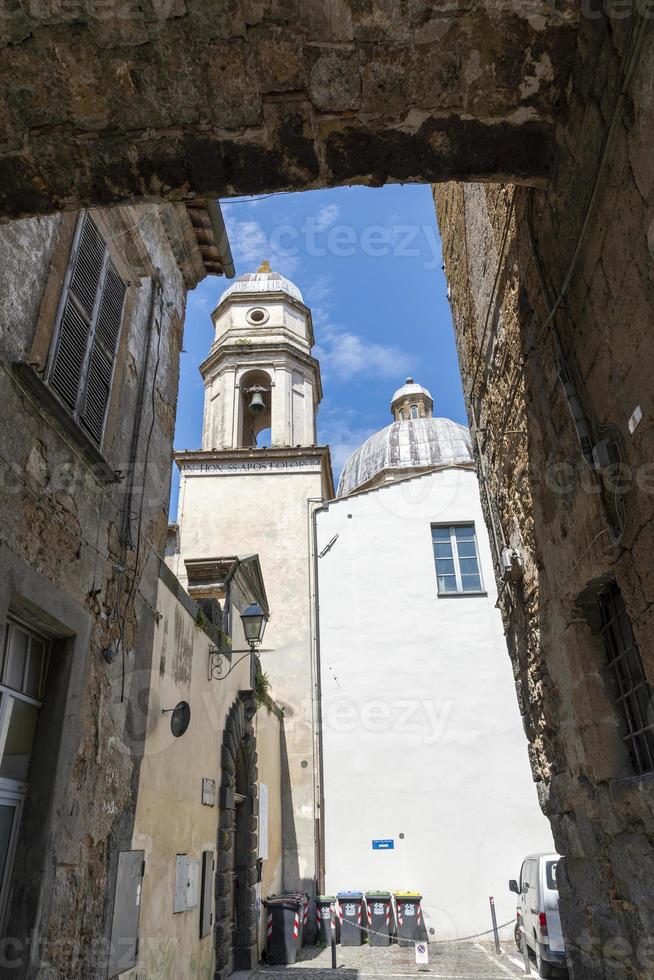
(420, 722)
(252, 489)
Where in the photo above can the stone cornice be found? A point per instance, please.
(206, 456)
(240, 353)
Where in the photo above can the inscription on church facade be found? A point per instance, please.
(250, 466)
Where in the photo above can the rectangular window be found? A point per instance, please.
(88, 325)
(632, 693)
(22, 679)
(457, 559)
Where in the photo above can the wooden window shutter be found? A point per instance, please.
(83, 362)
(103, 354)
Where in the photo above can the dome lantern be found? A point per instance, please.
(414, 443)
(411, 401)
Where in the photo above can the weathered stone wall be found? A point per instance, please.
(70, 565)
(508, 253)
(121, 101)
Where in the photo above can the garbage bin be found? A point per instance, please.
(308, 922)
(351, 914)
(284, 928)
(409, 918)
(326, 920)
(380, 918)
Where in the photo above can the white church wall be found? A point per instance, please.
(422, 738)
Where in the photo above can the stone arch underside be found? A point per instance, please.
(172, 99)
(238, 762)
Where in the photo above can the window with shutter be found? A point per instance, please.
(90, 316)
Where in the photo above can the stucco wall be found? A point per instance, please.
(421, 732)
(170, 816)
(267, 513)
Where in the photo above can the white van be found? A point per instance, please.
(538, 907)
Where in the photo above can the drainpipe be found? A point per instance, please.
(316, 694)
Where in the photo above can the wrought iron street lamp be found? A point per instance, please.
(254, 621)
(254, 625)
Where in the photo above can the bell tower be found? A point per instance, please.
(252, 489)
(260, 376)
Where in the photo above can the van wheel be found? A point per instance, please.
(518, 937)
(544, 968)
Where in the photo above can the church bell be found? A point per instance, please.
(257, 405)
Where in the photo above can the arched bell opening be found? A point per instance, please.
(256, 406)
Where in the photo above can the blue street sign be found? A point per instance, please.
(383, 845)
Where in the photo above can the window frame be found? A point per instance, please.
(620, 649)
(460, 591)
(6, 692)
(66, 294)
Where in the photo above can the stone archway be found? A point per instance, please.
(236, 875)
(172, 101)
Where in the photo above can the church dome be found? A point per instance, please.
(264, 280)
(415, 443)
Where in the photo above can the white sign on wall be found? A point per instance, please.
(263, 821)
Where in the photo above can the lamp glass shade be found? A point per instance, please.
(254, 623)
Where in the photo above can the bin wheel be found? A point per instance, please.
(270, 960)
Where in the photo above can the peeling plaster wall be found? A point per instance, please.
(56, 517)
(545, 500)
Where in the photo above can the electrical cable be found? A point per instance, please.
(491, 300)
(136, 578)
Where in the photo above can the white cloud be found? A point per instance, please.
(327, 216)
(318, 290)
(251, 246)
(344, 354)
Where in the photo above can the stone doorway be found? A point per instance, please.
(236, 926)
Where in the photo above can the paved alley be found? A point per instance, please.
(451, 961)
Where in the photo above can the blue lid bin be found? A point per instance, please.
(410, 927)
(380, 918)
(350, 905)
(285, 913)
(326, 920)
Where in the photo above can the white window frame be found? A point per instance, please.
(455, 558)
(13, 785)
(11, 790)
(16, 799)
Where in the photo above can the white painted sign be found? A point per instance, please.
(422, 954)
(209, 792)
(263, 821)
(245, 466)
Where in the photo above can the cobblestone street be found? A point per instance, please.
(451, 961)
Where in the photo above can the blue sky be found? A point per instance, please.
(368, 261)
